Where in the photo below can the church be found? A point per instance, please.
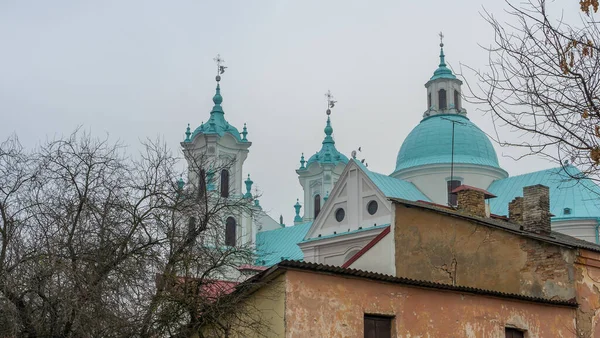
(347, 208)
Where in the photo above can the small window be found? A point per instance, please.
(230, 226)
(452, 197)
(567, 211)
(442, 99)
(513, 333)
(372, 207)
(340, 214)
(224, 183)
(428, 100)
(457, 100)
(317, 205)
(378, 327)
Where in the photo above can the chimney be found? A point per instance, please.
(471, 200)
(536, 209)
(515, 211)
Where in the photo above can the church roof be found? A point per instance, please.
(580, 196)
(276, 245)
(216, 125)
(430, 142)
(393, 187)
(328, 153)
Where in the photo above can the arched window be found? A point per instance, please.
(230, 226)
(457, 100)
(202, 184)
(442, 99)
(428, 100)
(317, 205)
(224, 183)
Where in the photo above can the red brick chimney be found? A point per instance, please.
(471, 200)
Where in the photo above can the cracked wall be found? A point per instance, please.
(435, 247)
(325, 305)
(587, 271)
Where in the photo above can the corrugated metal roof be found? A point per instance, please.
(393, 187)
(276, 245)
(581, 196)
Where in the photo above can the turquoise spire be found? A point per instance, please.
(248, 182)
(328, 152)
(302, 162)
(257, 204)
(180, 183)
(217, 100)
(326, 197)
(187, 133)
(442, 72)
(297, 206)
(245, 133)
(328, 131)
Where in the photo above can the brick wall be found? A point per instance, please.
(471, 202)
(536, 209)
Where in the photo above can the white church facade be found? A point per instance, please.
(346, 206)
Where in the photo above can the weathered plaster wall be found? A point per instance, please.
(378, 258)
(260, 315)
(440, 248)
(320, 305)
(588, 293)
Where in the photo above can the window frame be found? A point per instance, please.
(450, 187)
(512, 332)
(442, 94)
(225, 181)
(375, 319)
(316, 205)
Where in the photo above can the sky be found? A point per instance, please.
(133, 69)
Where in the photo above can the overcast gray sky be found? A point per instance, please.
(142, 68)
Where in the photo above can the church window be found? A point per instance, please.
(452, 199)
(513, 333)
(317, 205)
(442, 99)
(202, 184)
(230, 226)
(567, 211)
(372, 207)
(428, 100)
(224, 183)
(378, 326)
(340, 214)
(457, 100)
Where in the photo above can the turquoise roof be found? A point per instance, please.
(581, 196)
(394, 187)
(442, 72)
(276, 245)
(430, 142)
(217, 125)
(328, 153)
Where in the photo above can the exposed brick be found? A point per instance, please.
(536, 209)
(471, 202)
(515, 211)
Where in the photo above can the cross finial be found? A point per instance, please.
(441, 39)
(220, 68)
(330, 102)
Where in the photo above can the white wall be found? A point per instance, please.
(377, 259)
(584, 229)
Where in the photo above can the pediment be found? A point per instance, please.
(352, 192)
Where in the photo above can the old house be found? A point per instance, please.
(450, 272)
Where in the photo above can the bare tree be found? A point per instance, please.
(95, 243)
(543, 81)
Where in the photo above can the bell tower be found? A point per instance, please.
(443, 89)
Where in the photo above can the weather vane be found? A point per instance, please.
(220, 68)
(441, 39)
(330, 102)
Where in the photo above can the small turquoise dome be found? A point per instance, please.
(431, 143)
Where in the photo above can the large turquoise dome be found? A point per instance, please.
(431, 143)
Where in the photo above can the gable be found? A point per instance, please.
(352, 193)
